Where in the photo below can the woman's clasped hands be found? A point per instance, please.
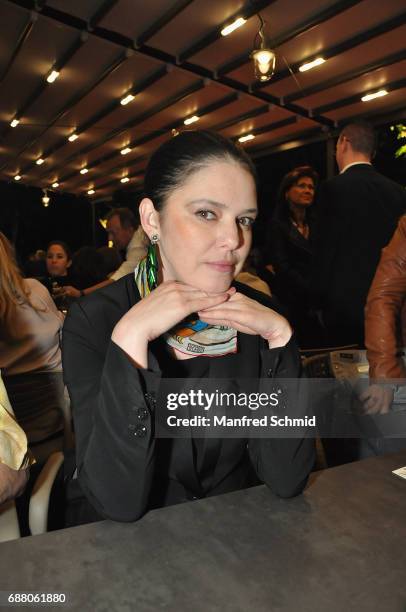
(172, 301)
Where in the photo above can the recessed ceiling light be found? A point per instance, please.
(246, 138)
(52, 76)
(127, 99)
(372, 96)
(125, 151)
(233, 26)
(14, 122)
(84, 171)
(309, 65)
(40, 161)
(73, 137)
(190, 120)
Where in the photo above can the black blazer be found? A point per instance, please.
(358, 212)
(122, 468)
(291, 256)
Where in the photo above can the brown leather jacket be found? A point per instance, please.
(385, 315)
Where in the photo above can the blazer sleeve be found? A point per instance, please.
(283, 464)
(383, 310)
(112, 404)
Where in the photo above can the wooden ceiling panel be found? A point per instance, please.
(132, 20)
(83, 9)
(280, 18)
(362, 85)
(31, 66)
(172, 78)
(367, 53)
(200, 17)
(356, 20)
(394, 100)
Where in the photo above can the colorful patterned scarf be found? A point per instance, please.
(191, 336)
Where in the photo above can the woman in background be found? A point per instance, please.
(290, 251)
(30, 356)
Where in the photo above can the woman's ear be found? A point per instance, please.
(149, 217)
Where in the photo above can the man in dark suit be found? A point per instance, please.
(358, 213)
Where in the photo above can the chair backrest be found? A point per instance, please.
(39, 501)
(9, 528)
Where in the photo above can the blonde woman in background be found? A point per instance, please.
(30, 357)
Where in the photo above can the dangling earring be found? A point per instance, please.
(152, 263)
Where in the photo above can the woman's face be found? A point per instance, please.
(57, 260)
(205, 227)
(302, 192)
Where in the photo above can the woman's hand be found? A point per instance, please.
(157, 313)
(66, 291)
(249, 317)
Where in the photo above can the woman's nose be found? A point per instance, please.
(230, 235)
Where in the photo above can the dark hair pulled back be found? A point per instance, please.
(178, 158)
(62, 244)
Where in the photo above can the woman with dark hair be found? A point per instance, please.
(58, 259)
(290, 250)
(180, 315)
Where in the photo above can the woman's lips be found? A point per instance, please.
(221, 266)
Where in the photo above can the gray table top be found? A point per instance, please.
(340, 546)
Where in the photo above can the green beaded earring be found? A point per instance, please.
(152, 263)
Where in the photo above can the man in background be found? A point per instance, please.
(358, 213)
(126, 234)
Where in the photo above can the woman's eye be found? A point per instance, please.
(206, 214)
(246, 221)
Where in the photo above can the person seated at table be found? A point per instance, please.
(59, 260)
(15, 459)
(120, 343)
(30, 357)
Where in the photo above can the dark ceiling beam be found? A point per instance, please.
(181, 95)
(393, 86)
(24, 34)
(131, 175)
(246, 11)
(43, 85)
(173, 125)
(147, 82)
(311, 22)
(394, 58)
(64, 59)
(159, 55)
(116, 38)
(163, 20)
(256, 112)
(346, 45)
(270, 127)
(103, 10)
(271, 99)
(291, 141)
(389, 115)
(73, 101)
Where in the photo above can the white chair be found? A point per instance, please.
(39, 501)
(9, 528)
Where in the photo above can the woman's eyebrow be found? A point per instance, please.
(218, 205)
